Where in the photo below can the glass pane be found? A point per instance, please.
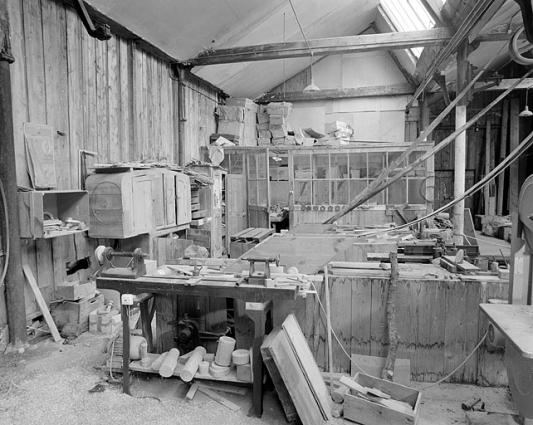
(392, 157)
(261, 166)
(252, 167)
(320, 192)
(262, 198)
(417, 191)
(302, 192)
(339, 166)
(236, 163)
(252, 192)
(321, 166)
(358, 167)
(421, 169)
(340, 192)
(302, 166)
(356, 187)
(376, 163)
(397, 192)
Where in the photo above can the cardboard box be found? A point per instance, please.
(277, 120)
(263, 117)
(243, 102)
(230, 113)
(234, 128)
(265, 134)
(278, 131)
(73, 291)
(279, 108)
(367, 412)
(264, 141)
(331, 127)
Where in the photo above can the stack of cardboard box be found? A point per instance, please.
(238, 119)
(277, 113)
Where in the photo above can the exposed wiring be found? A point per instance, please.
(6, 221)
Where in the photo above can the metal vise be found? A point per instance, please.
(135, 268)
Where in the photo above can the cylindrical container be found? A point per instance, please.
(191, 367)
(203, 368)
(240, 357)
(226, 345)
(169, 364)
(217, 371)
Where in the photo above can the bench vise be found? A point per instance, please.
(133, 270)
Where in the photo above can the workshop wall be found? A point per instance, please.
(110, 97)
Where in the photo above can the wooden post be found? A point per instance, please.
(16, 312)
(514, 135)
(460, 145)
(394, 339)
(328, 324)
(486, 188)
(503, 153)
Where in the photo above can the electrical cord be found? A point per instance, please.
(4, 202)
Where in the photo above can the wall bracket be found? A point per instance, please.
(100, 32)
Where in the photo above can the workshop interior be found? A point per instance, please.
(295, 211)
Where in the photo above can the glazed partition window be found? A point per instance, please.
(334, 178)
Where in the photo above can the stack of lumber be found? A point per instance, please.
(298, 381)
(246, 239)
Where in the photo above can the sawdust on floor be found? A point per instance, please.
(49, 384)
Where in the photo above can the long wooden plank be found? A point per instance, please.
(308, 364)
(341, 301)
(295, 381)
(42, 303)
(361, 308)
(325, 46)
(219, 399)
(503, 154)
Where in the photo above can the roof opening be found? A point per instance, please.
(409, 15)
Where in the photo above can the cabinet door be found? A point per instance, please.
(142, 205)
(236, 204)
(183, 196)
(169, 199)
(159, 196)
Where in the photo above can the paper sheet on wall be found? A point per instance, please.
(39, 142)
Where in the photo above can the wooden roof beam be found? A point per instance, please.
(324, 46)
(372, 91)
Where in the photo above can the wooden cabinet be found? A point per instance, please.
(123, 205)
(38, 205)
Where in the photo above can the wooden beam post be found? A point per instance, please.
(486, 188)
(460, 145)
(514, 135)
(14, 279)
(503, 153)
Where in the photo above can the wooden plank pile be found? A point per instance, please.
(245, 240)
(296, 376)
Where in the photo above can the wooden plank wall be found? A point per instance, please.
(439, 324)
(107, 97)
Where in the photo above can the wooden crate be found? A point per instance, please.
(76, 312)
(369, 413)
(73, 291)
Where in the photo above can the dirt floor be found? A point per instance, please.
(51, 383)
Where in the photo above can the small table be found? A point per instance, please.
(515, 322)
(258, 303)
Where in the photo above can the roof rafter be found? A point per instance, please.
(324, 46)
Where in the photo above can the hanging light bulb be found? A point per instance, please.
(526, 112)
(311, 86)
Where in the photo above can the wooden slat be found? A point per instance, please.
(33, 38)
(90, 116)
(102, 103)
(114, 101)
(18, 84)
(126, 106)
(361, 299)
(341, 300)
(55, 67)
(76, 85)
(138, 111)
(42, 303)
(514, 168)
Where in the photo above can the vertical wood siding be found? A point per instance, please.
(439, 324)
(109, 97)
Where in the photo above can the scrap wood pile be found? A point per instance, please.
(303, 392)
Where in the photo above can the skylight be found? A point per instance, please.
(408, 15)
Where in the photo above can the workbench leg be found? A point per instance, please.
(146, 322)
(125, 350)
(258, 313)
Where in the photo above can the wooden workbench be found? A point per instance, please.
(258, 301)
